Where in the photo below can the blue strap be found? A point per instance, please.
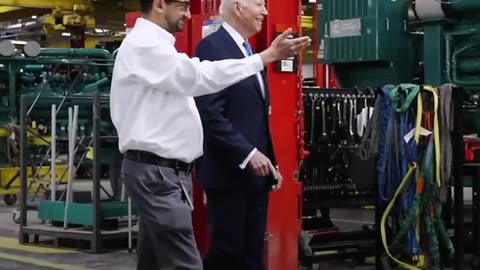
(384, 162)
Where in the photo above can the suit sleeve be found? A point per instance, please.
(271, 155)
(219, 132)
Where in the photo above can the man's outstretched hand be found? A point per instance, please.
(284, 46)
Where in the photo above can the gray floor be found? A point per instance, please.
(23, 259)
(15, 256)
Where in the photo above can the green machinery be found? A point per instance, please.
(55, 82)
(423, 42)
(403, 41)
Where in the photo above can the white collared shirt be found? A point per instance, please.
(153, 86)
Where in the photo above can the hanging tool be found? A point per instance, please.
(345, 107)
(339, 113)
(355, 115)
(350, 122)
(324, 122)
(333, 111)
(313, 98)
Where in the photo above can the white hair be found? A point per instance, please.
(226, 7)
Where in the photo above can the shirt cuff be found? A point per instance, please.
(245, 162)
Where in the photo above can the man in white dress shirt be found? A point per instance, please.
(159, 129)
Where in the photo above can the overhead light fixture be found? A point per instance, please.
(66, 34)
(98, 30)
(21, 25)
(34, 17)
(19, 42)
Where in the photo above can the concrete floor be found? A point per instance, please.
(15, 256)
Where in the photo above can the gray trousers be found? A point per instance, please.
(166, 240)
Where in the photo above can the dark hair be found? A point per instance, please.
(146, 6)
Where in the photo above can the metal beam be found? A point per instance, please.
(114, 9)
(108, 11)
(45, 4)
(4, 9)
(121, 5)
(22, 13)
(129, 5)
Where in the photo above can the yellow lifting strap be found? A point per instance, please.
(383, 232)
(413, 168)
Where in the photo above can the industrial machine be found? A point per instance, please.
(424, 41)
(417, 49)
(55, 121)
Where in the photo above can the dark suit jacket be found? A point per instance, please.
(235, 121)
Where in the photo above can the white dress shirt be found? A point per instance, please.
(153, 86)
(239, 40)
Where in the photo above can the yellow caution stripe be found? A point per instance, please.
(12, 243)
(37, 262)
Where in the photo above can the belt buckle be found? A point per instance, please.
(178, 166)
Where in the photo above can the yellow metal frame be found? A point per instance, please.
(43, 178)
(47, 4)
(3, 132)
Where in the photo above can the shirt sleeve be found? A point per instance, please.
(166, 69)
(243, 165)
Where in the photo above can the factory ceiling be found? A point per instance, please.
(38, 19)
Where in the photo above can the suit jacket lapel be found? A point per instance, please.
(265, 86)
(237, 53)
(230, 43)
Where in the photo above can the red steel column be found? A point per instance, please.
(284, 219)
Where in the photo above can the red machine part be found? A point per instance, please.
(472, 148)
(284, 218)
(200, 225)
(324, 74)
(204, 6)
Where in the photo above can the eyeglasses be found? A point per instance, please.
(183, 4)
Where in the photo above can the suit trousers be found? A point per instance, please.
(166, 240)
(237, 220)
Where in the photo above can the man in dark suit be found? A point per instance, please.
(238, 168)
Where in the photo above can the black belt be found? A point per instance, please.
(150, 158)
